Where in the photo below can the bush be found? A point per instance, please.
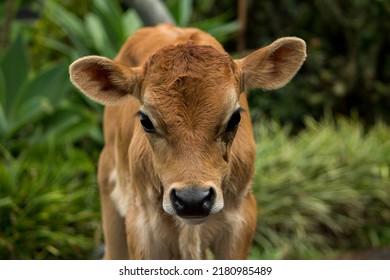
(326, 189)
(347, 67)
(49, 205)
(39, 107)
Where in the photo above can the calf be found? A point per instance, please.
(175, 172)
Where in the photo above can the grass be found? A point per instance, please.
(323, 190)
(49, 205)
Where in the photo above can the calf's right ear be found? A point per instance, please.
(104, 80)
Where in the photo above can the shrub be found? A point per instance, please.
(49, 205)
(37, 108)
(347, 67)
(328, 188)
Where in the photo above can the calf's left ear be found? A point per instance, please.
(104, 80)
(273, 66)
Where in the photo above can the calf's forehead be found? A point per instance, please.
(188, 59)
(190, 77)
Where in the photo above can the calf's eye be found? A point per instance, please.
(234, 121)
(146, 123)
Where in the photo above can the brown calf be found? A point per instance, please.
(175, 173)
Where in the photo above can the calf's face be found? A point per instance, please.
(190, 111)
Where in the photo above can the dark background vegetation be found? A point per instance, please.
(323, 158)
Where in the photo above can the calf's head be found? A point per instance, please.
(190, 111)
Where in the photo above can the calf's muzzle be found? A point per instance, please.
(193, 202)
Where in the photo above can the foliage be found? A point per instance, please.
(221, 26)
(101, 31)
(36, 107)
(326, 188)
(48, 195)
(347, 68)
(48, 204)
(323, 190)
(104, 29)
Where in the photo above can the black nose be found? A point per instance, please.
(192, 202)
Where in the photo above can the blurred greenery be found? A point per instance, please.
(326, 188)
(347, 69)
(322, 183)
(35, 108)
(221, 26)
(48, 204)
(102, 30)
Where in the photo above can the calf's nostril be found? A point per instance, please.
(208, 201)
(178, 203)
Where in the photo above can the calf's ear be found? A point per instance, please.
(273, 66)
(104, 80)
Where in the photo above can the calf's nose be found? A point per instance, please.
(193, 202)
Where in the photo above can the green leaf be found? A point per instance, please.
(70, 24)
(67, 124)
(98, 35)
(51, 83)
(63, 48)
(181, 11)
(221, 32)
(44, 199)
(3, 123)
(3, 90)
(83, 128)
(110, 14)
(214, 22)
(185, 8)
(3, 118)
(14, 66)
(6, 202)
(131, 22)
(29, 112)
(173, 7)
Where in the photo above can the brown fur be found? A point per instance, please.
(189, 87)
